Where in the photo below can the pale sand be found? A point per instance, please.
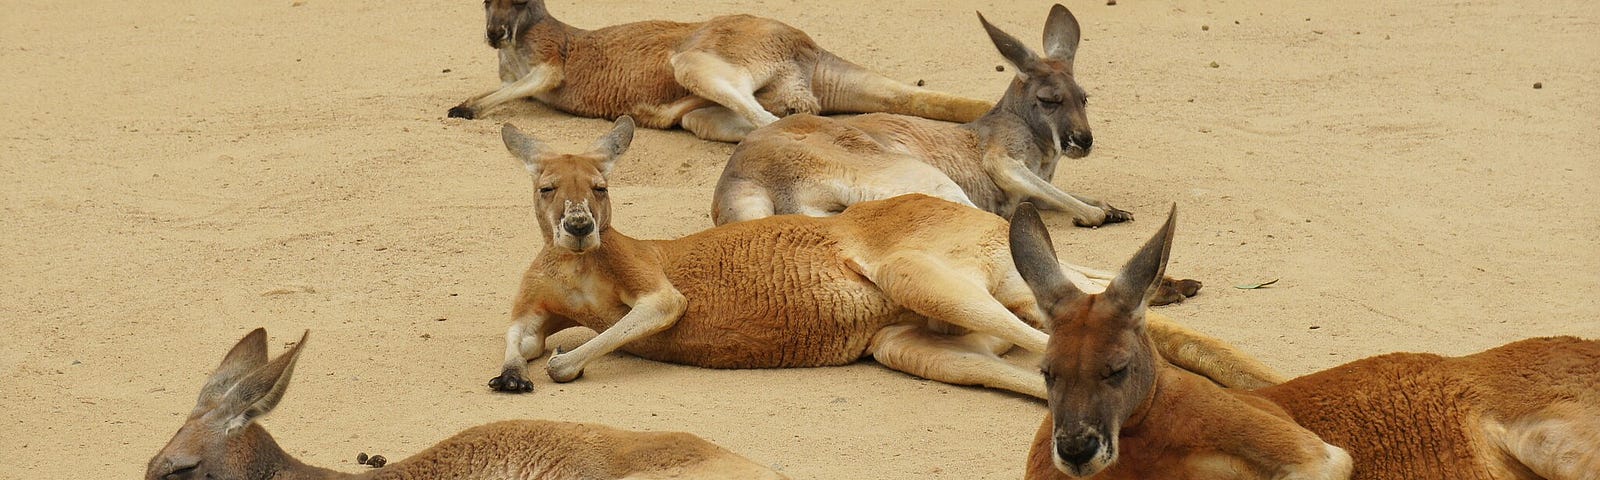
(178, 173)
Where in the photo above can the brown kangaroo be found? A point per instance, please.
(922, 285)
(818, 166)
(1118, 410)
(221, 440)
(718, 79)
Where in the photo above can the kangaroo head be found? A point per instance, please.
(508, 19)
(1045, 94)
(573, 206)
(220, 439)
(1100, 365)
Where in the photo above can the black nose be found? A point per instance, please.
(494, 35)
(1078, 451)
(1083, 140)
(579, 226)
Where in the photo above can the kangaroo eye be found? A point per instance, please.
(547, 189)
(600, 190)
(1117, 374)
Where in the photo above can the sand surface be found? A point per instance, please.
(176, 173)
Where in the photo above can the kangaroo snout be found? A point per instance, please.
(1077, 450)
(578, 225)
(495, 36)
(1083, 140)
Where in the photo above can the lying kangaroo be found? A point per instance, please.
(818, 166)
(922, 285)
(220, 440)
(718, 79)
(1118, 410)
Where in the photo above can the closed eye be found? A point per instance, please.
(600, 190)
(181, 472)
(547, 189)
(1117, 375)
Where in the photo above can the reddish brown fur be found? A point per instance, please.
(1523, 411)
(923, 285)
(718, 78)
(217, 442)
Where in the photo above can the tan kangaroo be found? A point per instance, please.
(922, 285)
(818, 166)
(718, 79)
(1118, 410)
(221, 441)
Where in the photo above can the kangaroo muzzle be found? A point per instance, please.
(576, 228)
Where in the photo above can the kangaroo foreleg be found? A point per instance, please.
(1017, 180)
(651, 314)
(538, 80)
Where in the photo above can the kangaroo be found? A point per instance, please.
(922, 285)
(818, 166)
(221, 440)
(718, 79)
(1119, 410)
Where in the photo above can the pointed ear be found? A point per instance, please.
(1035, 258)
(1132, 288)
(1061, 34)
(1022, 59)
(524, 147)
(260, 390)
(615, 143)
(247, 355)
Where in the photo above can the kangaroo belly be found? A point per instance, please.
(622, 70)
(768, 294)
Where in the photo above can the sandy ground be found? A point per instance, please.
(177, 173)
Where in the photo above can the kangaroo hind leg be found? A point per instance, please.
(1558, 443)
(713, 78)
(968, 359)
(932, 288)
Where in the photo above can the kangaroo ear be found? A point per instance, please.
(247, 355)
(1022, 59)
(615, 143)
(1035, 258)
(522, 146)
(259, 391)
(1061, 34)
(1132, 288)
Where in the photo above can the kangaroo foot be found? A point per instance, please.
(1172, 290)
(462, 111)
(1114, 215)
(511, 381)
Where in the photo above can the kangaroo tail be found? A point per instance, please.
(1208, 356)
(844, 87)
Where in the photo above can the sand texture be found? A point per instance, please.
(175, 173)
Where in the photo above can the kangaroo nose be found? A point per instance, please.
(1078, 451)
(494, 35)
(578, 226)
(1083, 140)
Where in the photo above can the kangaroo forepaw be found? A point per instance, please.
(1173, 290)
(462, 111)
(511, 381)
(562, 368)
